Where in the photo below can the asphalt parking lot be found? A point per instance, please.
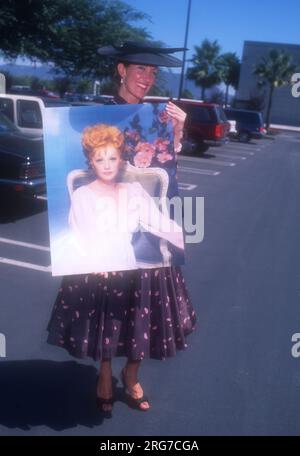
(238, 375)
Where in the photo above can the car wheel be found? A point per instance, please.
(193, 146)
(201, 148)
(244, 137)
(189, 147)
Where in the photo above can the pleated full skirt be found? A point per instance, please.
(138, 314)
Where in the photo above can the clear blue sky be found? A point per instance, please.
(230, 22)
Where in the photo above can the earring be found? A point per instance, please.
(122, 81)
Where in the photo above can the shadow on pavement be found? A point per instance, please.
(13, 209)
(208, 156)
(58, 395)
(204, 154)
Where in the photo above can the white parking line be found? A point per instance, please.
(212, 161)
(22, 264)
(238, 157)
(241, 147)
(207, 161)
(24, 244)
(184, 186)
(207, 172)
(245, 152)
(186, 158)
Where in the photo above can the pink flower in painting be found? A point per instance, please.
(161, 144)
(142, 160)
(164, 157)
(145, 152)
(163, 116)
(145, 147)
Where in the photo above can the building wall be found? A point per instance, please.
(285, 108)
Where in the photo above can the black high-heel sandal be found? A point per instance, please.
(100, 401)
(136, 403)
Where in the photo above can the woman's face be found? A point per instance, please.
(137, 81)
(106, 163)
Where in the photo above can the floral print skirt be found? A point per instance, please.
(138, 314)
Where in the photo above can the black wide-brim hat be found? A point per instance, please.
(140, 52)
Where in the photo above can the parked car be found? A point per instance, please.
(206, 123)
(103, 99)
(78, 97)
(22, 169)
(26, 111)
(249, 124)
(27, 90)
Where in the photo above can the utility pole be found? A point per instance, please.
(2, 83)
(185, 45)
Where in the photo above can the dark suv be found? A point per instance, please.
(249, 124)
(206, 123)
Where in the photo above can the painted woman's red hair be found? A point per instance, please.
(101, 135)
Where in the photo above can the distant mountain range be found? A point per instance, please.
(171, 79)
(42, 72)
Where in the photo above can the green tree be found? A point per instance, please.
(274, 71)
(217, 96)
(24, 79)
(257, 100)
(36, 83)
(206, 70)
(62, 85)
(84, 86)
(186, 93)
(230, 71)
(67, 32)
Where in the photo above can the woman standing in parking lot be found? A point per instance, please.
(144, 313)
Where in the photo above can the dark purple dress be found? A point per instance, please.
(144, 313)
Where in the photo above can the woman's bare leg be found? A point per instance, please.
(131, 377)
(104, 385)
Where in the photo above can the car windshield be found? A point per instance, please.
(6, 125)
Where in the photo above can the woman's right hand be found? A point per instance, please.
(178, 117)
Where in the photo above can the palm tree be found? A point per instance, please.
(231, 66)
(274, 71)
(206, 69)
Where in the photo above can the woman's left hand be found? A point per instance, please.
(178, 117)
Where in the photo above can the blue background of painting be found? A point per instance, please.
(63, 150)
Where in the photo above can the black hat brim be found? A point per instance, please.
(146, 57)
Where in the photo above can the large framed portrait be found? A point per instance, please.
(113, 200)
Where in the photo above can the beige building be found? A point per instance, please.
(285, 108)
